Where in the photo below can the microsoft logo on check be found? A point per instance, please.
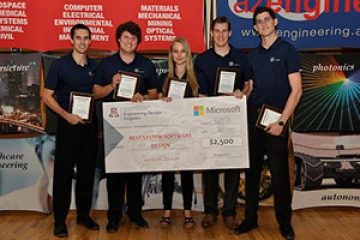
(198, 110)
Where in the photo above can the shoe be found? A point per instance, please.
(60, 229)
(112, 226)
(88, 223)
(165, 222)
(208, 220)
(287, 232)
(245, 227)
(139, 221)
(189, 222)
(230, 222)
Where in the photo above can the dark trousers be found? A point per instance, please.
(211, 186)
(75, 144)
(187, 187)
(116, 183)
(276, 147)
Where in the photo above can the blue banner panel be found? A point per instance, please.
(305, 24)
(20, 93)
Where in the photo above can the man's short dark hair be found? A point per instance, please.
(220, 20)
(131, 27)
(262, 9)
(79, 26)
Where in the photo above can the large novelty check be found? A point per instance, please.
(186, 134)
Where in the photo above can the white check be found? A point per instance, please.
(186, 134)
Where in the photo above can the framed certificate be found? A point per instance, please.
(82, 104)
(268, 115)
(128, 86)
(177, 88)
(225, 80)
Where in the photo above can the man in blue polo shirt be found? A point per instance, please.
(274, 77)
(221, 55)
(128, 36)
(76, 142)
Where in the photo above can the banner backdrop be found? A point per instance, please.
(42, 26)
(326, 132)
(26, 170)
(330, 100)
(20, 93)
(305, 24)
(327, 172)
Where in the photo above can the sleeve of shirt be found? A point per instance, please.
(248, 73)
(241, 78)
(160, 82)
(100, 78)
(152, 83)
(203, 85)
(54, 76)
(197, 64)
(200, 77)
(148, 80)
(292, 60)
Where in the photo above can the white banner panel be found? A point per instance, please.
(26, 170)
(326, 197)
(192, 134)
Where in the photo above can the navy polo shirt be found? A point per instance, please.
(65, 76)
(109, 66)
(208, 62)
(269, 69)
(162, 78)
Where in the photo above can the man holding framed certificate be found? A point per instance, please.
(128, 86)
(82, 104)
(223, 69)
(274, 78)
(125, 76)
(71, 78)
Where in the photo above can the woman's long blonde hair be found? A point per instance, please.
(190, 77)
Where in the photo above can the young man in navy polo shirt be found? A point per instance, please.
(274, 77)
(128, 36)
(221, 55)
(76, 142)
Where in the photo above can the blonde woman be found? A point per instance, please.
(181, 68)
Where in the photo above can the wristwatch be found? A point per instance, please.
(281, 123)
